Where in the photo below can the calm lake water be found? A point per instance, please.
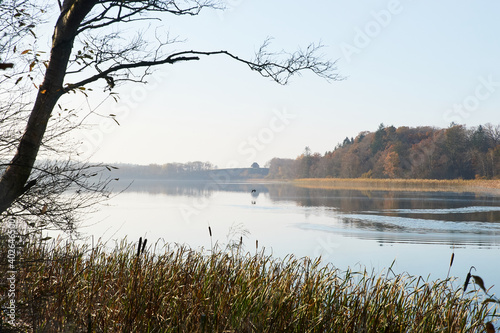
(417, 231)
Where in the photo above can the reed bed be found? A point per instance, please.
(71, 288)
(456, 185)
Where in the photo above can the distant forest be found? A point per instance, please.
(188, 171)
(157, 171)
(403, 152)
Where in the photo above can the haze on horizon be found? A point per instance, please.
(406, 63)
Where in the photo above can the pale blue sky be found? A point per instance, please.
(413, 63)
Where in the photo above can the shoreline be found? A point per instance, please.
(432, 185)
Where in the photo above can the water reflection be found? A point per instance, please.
(384, 216)
(189, 188)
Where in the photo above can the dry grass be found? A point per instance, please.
(69, 288)
(456, 185)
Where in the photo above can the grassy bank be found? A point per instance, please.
(69, 288)
(457, 185)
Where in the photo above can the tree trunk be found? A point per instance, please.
(13, 181)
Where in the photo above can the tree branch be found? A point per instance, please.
(6, 65)
(105, 74)
(135, 7)
(116, 60)
(264, 64)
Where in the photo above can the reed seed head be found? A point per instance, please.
(489, 327)
(467, 279)
(139, 246)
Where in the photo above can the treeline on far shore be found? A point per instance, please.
(456, 152)
(204, 171)
(424, 152)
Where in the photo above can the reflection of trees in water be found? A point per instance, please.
(391, 203)
(192, 188)
(387, 203)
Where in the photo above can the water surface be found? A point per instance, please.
(414, 232)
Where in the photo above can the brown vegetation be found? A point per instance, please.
(455, 185)
(69, 288)
(456, 152)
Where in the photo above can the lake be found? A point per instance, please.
(415, 232)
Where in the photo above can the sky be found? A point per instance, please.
(405, 63)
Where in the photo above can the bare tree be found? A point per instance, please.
(86, 49)
(18, 18)
(64, 188)
(60, 188)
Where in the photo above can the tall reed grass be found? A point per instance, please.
(70, 288)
